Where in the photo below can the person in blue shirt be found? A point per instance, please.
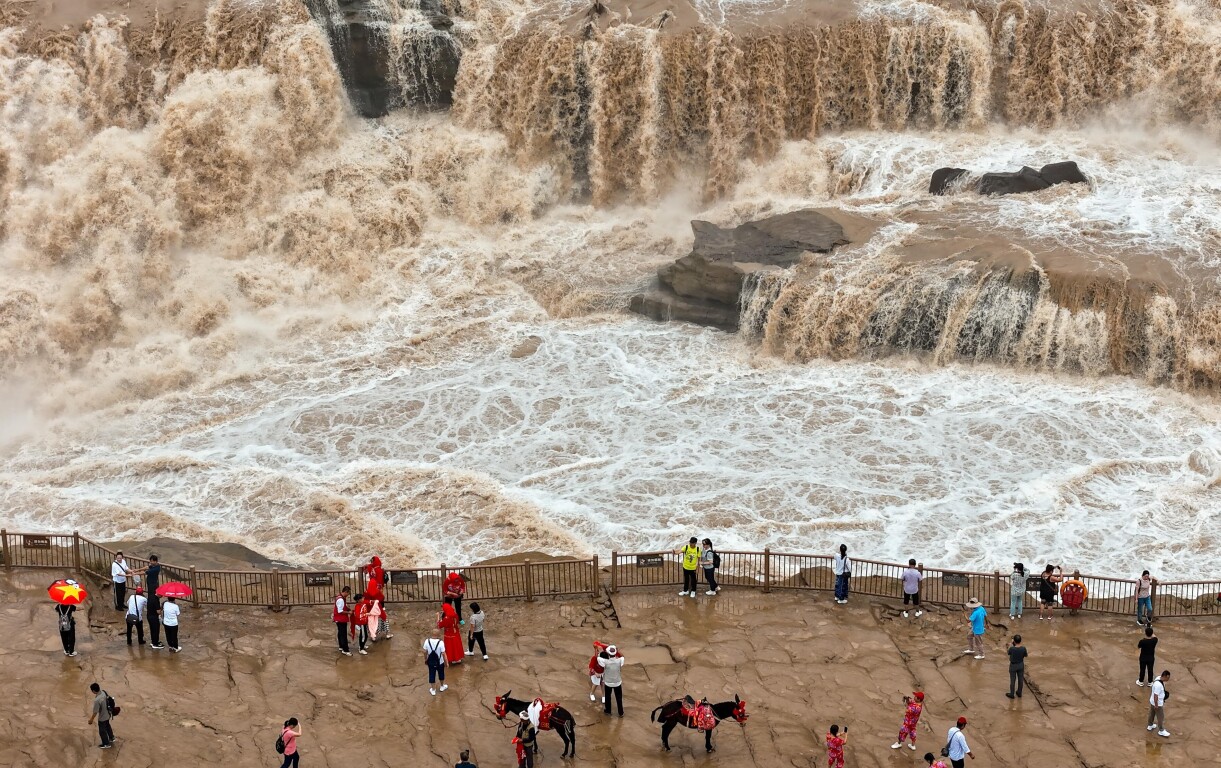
(978, 620)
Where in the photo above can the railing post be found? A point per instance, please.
(529, 580)
(275, 589)
(8, 561)
(1152, 594)
(442, 583)
(596, 580)
(767, 569)
(194, 589)
(614, 571)
(76, 552)
(996, 590)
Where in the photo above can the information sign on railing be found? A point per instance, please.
(36, 542)
(955, 580)
(404, 577)
(650, 561)
(318, 580)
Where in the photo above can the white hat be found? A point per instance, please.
(611, 650)
(523, 715)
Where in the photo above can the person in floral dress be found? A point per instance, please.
(835, 747)
(911, 716)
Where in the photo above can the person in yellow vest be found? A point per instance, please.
(691, 562)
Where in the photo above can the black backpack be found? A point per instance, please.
(716, 559)
(111, 707)
(280, 744)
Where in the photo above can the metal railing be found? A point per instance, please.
(766, 570)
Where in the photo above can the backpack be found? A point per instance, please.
(716, 559)
(280, 744)
(111, 707)
(65, 621)
(434, 658)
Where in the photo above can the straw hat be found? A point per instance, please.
(973, 603)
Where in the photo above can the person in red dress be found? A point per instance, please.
(376, 576)
(447, 622)
(454, 587)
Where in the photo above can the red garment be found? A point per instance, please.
(452, 637)
(337, 616)
(454, 585)
(360, 614)
(376, 577)
(835, 751)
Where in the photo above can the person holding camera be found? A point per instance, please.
(1052, 575)
(835, 747)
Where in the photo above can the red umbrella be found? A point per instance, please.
(174, 589)
(67, 592)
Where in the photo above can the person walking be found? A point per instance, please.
(956, 744)
(1148, 653)
(835, 747)
(913, 706)
(911, 590)
(169, 619)
(66, 621)
(475, 632)
(841, 566)
(434, 657)
(455, 590)
(977, 620)
(1144, 598)
(1017, 667)
(101, 713)
(137, 611)
(1017, 590)
(612, 678)
(340, 613)
(1048, 590)
(934, 762)
(1157, 704)
(152, 580)
(118, 577)
(691, 562)
(290, 734)
(527, 742)
(464, 758)
(359, 625)
(710, 561)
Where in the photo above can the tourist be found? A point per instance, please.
(913, 706)
(66, 622)
(595, 672)
(1144, 598)
(1048, 590)
(373, 618)
(292, 758)
(137, 610)
(169, 619)
(152, 580)
(527, 742)
(118, 577)
(612, 678)
(911, 589)
(933, 762)
(977, 621)
(101, 713)
(1148, 653)
(710, 561)
(1157, 704)
(447, 622)
(1017, 590)
(841, 566)
(957, 745)
(340, 612)
(475, 633)
(375, 580)
(465, 759)
(434, 657)
(359, 625)
(835, 747)
(455, 589)
(1017, 667)
(691, 562)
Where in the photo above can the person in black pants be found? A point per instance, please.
(152, 580)
(101, 713)
(1147, 645)
(1017, 667)
(67, 627)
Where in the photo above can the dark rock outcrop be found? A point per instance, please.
(1004, 183)
(705, 286)
(380, 76)
(944, 178)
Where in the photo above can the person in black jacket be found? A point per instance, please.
(1017, 667)
(1148, 646)
(67, 627)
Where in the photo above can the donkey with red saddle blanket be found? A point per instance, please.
(553, 717)
(702, 716)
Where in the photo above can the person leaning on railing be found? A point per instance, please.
(1144, 598)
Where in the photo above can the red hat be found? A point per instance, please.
(919, 695)
(139, 590)
(962, 721)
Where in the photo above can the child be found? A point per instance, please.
(475, 634)
(835, 747)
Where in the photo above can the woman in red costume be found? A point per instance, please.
(455, 586)
(447, 622)
(376, 576)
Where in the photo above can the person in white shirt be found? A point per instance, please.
(612, 678)
(911, 587)
(1157, 705)
(434, 657)
(957, 742)
(118, 576)
(841, 566)
(137, 611)
(169, 620)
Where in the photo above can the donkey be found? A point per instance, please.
(562, 721)
(672, 716)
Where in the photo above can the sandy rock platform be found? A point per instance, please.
(800, 661)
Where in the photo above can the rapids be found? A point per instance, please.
(232, 310)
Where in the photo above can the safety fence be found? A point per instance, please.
(526, 579)
(769, 570)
